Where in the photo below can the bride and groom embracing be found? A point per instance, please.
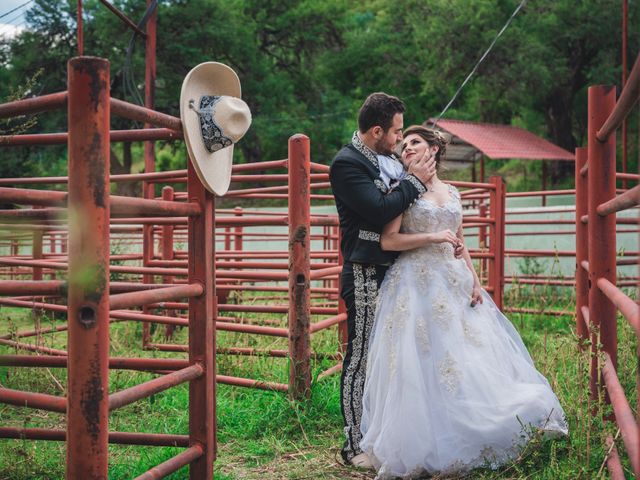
(435, 379)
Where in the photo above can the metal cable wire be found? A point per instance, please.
(475, 67)
(128, 78)
(14, 9)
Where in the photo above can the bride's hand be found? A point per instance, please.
(476, 295)
(446, 236)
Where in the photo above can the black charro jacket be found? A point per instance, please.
(365, 204)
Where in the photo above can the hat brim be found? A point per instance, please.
(208, 78)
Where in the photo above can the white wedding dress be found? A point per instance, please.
(449, 387)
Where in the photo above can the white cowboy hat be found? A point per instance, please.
(214, 118)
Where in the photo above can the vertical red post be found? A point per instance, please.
(80, 29)
(88, 296)
(544, 182)
(237, 239)
(167, 253)
(482, 237)
(343, 331)
(203, 311)
(299, 267)
(625, 23)
(36, 251)
(149, 155)
(582, 246)
(497, 238)
(227, 238)
(601, 180)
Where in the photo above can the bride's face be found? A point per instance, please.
(414, 147)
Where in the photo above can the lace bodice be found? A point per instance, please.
(426, 216)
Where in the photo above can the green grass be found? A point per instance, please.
(264, 435)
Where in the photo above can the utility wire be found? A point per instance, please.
(455, 95)
(17, 8)
(127, 70)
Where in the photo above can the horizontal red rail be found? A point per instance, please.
(628, 97)
(146, 389)
(629, 308)
(628, 199)
(169, 466)
(138, 135)
(123, 438)
(42, 401)
(125, 300)
(624, 415)
(43, 103)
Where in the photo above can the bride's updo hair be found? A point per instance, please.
(433, 137)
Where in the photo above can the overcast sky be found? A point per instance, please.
(15, 20)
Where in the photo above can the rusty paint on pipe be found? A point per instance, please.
(625, 418)
(43, 103)
(123, 438)
(124, 300)
(628, 98)
(146, 389)
(40, 401)
(167, 467)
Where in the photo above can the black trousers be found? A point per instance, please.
(359, 289)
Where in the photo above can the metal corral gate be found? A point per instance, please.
(597, 297)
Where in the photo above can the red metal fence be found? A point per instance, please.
(598, 299)
(92, 298)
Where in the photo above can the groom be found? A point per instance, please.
(371, 189)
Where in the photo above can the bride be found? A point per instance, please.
(450, 386)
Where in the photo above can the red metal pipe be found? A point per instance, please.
(115, 363)
(160, 384)
(43, 103)
(24, 287)
(202, 332)
(88, 297)
(115, 136)
(167, 467)
(125, 300)
(258, 166)
(32, 348)
(614, 466)
(628, 176)
(124, 438)
(147, 317)
(624, 415)
(41, 401)
(299, 267)
(145, 114)
(628, 97)
(328, 322)
(496, 242)
(629, 199)
(601, 230)
(247, 382)
(628, 307)
(127, 21)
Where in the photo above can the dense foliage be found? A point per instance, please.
(306, 65)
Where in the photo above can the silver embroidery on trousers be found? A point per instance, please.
(365, 292)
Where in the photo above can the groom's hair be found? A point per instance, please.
(378, 110)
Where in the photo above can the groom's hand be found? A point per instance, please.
(423, 168)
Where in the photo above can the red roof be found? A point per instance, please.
(502, 141)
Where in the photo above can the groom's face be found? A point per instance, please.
(389, 140)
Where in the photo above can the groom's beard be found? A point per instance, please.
(383, 148)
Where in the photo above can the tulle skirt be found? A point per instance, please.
(449, 387)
